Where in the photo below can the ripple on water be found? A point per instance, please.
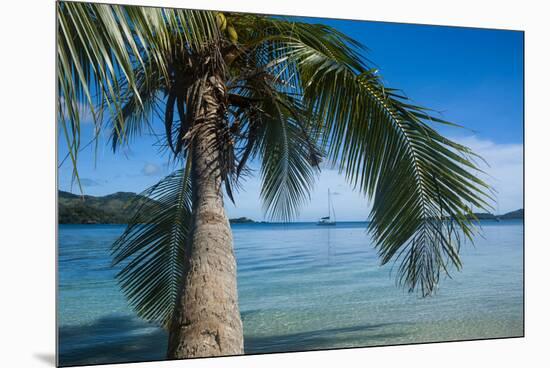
(301, 287)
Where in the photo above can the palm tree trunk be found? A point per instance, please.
(207, 321)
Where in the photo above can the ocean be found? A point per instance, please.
(301, 287)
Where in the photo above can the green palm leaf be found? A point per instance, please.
(288, 170)
(101, 51)
(152, 249)
(422, 185)
(138, 115)
(280, 135)
(295, 90)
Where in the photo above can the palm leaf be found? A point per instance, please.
(102, 48)
(280, 135)
(136, 116)
(287, 170)
(298, 80)
(422, 185)
(153, 247)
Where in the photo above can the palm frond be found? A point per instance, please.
(152, 249)
(277, 131)
(102, 47)
(295, 90)
(289, 162)
(138, 115)
(422, 184)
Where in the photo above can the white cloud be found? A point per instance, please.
(505, 175)
(504, 170)
(150, 169)
(86, 116)
(348, 204)
(87, 182)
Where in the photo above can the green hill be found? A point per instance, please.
(517, 214)
(116, 208)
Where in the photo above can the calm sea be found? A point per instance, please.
(301, 287)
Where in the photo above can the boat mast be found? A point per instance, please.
(333, 212)
(328, 203)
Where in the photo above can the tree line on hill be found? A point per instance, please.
(118, 208)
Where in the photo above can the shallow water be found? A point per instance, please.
(301, 287)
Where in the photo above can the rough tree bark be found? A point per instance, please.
(207, 320)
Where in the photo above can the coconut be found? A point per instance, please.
(233, 36)
(221, 21)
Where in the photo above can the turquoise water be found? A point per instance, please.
(301, 287)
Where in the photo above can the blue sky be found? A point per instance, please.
(473, 77)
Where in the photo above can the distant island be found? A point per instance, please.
(241, 220)
(514, 215)
(118, 208)
(517, 214)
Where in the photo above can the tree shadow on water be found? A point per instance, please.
(353, 336)
(113, 339)
(118, 339)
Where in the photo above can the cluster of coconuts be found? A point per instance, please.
(221, 21)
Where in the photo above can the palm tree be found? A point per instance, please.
(232, 89)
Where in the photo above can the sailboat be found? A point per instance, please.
(329, 220)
